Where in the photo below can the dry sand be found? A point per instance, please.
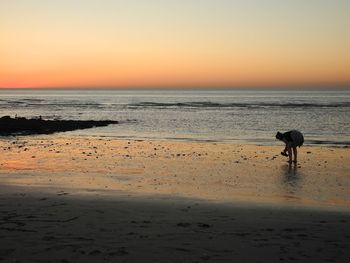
(69, 199)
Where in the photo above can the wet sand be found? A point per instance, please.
(66, 199)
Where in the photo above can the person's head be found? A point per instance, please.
(279, 136)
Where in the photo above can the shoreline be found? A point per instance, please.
(70, 135)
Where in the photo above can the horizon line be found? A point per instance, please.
(273, 87)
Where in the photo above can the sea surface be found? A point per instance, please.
(252, 116)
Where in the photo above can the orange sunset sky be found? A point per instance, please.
(182, 43)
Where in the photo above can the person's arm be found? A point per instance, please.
(285, 149)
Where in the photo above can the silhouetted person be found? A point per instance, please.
(292, 139)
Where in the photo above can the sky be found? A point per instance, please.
(174, 43)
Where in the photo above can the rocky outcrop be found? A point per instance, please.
(24, 126)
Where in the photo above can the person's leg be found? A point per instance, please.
(295, 153)
(289, 149)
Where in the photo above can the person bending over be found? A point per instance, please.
(292, 139)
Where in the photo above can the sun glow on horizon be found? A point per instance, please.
(181, 43)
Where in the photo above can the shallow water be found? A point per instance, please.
(211, 115)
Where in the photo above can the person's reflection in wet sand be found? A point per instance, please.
(291, 179)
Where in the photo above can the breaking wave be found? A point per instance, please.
(205, 104)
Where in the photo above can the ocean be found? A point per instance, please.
(248, 116)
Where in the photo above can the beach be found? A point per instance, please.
(92, 199)
(158, 131)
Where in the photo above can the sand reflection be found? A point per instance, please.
(291, 181)
(200, 170)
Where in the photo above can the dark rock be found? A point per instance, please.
(23, 126)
